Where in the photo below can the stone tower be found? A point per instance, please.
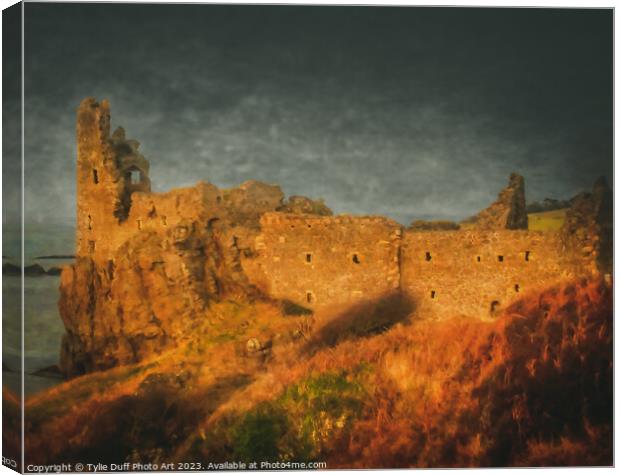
(109, 170)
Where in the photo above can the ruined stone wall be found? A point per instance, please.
(148, 264)
(588, 229)
(475, 273)
(97, 177)
(110, 170)
(316, 261)
(312, 262)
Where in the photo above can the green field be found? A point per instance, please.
(547, 220)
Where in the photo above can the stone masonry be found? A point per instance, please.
(148, 264)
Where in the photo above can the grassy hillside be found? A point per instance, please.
(547, 220)
(533, 387)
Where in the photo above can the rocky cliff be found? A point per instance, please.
(162, 279)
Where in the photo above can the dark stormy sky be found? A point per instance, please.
(405, 112)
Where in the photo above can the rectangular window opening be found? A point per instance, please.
(500, 258)
(135, 177)
(428, 256)
(308, 257)
(309, 297)
(432, 294)
(527, 255)
(95, 176)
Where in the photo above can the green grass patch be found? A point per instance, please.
(300, 423)
(547, 220)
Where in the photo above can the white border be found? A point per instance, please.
(459, 3)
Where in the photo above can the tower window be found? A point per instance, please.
(527, 255)
(356, 259)
(494, 306)
(309, 297)
(134, 177)
(500, 258)
(90, 222)
(478, 258)
(95, 177)
(432, 294)
(428, 256)
(308, 257)
(517, 288)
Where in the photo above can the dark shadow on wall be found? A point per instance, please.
(366, 318)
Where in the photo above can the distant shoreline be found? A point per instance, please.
(33, 270)
(56, 256)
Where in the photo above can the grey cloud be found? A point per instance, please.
(409, 113)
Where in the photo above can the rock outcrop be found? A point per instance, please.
(32, 270)
(160, 281)
(508, 211)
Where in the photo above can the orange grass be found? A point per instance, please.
(533, 387)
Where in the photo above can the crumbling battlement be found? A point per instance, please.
(109, 170)
(114, 201)
(149, 264)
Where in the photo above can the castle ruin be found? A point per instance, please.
(145, 259)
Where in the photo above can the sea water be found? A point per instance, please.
(43, 327)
